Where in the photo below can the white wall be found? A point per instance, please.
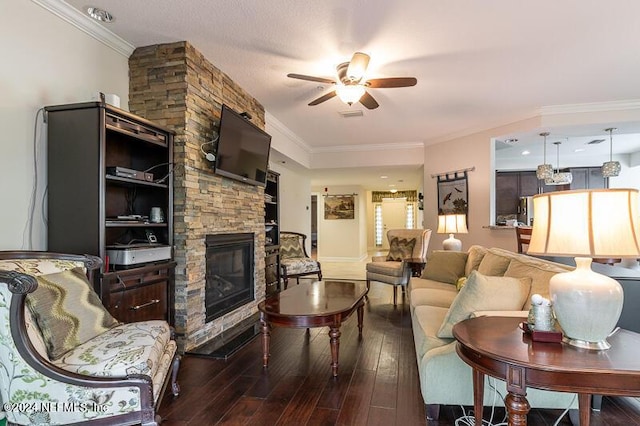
(346, 239)
(46, 61)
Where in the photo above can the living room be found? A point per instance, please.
(54, 62)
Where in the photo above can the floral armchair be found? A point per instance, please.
(294, 260)
(117, 376)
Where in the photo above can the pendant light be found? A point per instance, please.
(610, 168)
(544, 170)
(558, 178)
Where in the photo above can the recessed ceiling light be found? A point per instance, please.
(393, 191)
(99, 14)
(384, 177)
(525, 152)
(578, 150)
(511, 141)
(392, 184)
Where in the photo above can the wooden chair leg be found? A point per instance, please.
(432, 411)
(395, 295)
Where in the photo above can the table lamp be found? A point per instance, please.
(586, 224)
(451, 224)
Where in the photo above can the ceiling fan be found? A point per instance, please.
(351, 84)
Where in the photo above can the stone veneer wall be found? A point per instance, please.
(175, 86)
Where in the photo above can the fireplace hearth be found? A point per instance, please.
(229, 273)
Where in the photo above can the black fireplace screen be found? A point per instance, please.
(229, 273)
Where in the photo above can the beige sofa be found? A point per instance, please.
(498, 282)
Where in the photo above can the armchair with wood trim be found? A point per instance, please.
(294, 260)
(406, 247)
(64, 359)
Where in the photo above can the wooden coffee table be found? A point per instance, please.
(317, 304)
(497, 346)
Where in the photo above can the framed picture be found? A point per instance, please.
(453, 194)
(339, 207)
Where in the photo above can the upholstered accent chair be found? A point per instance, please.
(406, 247)
(294, 260)
(64, 359)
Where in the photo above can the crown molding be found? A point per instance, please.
(84, 23)
(370, 147)
(590, 107)
(277, 124)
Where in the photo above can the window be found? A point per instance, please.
(377, 221)
(411, 218)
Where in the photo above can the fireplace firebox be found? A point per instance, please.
(229, 273)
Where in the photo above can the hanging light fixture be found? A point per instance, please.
(544, 170)
(558, 178)
(610, 168)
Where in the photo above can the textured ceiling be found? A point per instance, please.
(479, 64)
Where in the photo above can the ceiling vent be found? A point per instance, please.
(595, 142)
(351, 113)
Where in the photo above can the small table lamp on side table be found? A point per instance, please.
(586, 224)
(451, 224)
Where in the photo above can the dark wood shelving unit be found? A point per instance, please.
(272, 233)
(85, 199)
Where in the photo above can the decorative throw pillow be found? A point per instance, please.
(290, 247)
(493, 265)
(482, 293)
(475, 255)
(401, 248)
(67, 311)
(445, 266)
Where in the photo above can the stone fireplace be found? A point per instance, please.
(175, 86)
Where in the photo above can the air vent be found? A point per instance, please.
(350, 113)
(595, 141)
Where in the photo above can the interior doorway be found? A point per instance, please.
(394, 215)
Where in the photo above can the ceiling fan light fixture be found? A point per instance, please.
(350, 94)
(357, 66)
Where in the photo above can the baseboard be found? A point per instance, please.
(362, 258)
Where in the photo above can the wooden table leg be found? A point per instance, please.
(478, 395)
(360, 317)
(334, 335)
(517, 408)
(266, 339)
(584, 406)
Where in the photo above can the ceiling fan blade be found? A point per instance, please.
(368, 101)
(380, 83)
(323, 98)
(358, 66)
(311, 78)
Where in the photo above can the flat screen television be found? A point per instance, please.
(243, 149)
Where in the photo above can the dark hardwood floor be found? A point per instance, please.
(378, 380)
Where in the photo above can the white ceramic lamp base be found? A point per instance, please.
(587, 305)
(452, 244)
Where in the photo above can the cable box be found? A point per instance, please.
(135, 254)
(130, 173)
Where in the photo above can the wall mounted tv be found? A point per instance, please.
(243, 149)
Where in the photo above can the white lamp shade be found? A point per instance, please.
(452, 224)
(586, 223)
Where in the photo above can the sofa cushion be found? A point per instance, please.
(475, 255)
(67, 311)
(401, 249)
(538, 270)
(445, 266)
(300, 265)
(433, 297)
(493, 264)
(425, 321)
(416, 283)
(485, 293)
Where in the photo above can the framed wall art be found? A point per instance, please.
(453, 194)
(339, 207)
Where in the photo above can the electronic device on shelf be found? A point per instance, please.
(135, 254)
(130, 173)
(243, 149)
